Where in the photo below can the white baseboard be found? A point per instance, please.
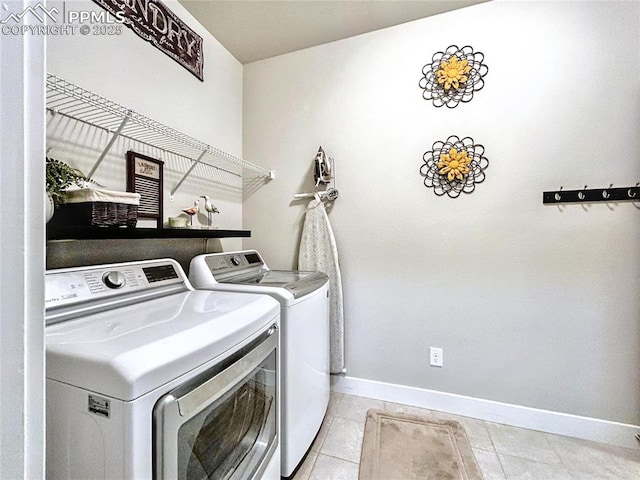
(518, 416)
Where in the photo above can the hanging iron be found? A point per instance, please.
(322, 172)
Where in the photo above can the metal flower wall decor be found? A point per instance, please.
(454, 166)
(453, 76)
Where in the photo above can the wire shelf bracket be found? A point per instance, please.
(107, 148)
(186, 174)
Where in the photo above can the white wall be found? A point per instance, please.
(21, 255)
(132, 72)
(534, 305)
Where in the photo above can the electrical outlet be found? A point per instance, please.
(435, 356)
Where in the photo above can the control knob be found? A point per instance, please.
(114, 279)
(235, 260)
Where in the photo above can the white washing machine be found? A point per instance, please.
(147, 378)
(304, 300)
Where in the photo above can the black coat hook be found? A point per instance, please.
(608, 194)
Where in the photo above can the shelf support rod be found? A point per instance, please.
(110, 144)
(187, 173)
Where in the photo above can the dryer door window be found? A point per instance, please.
(224, 426)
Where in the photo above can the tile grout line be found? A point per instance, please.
(313, 465)
(486, 427)
(337, 458)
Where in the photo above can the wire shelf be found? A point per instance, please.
(68, 99)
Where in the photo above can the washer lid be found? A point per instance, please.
(129, 351)
(299, 283)
(248, 268)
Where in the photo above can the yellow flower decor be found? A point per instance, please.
(454, 166)
(453, 72)
(453, 76)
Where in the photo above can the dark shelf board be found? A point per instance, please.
(103, 233)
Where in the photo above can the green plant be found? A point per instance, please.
(61, 176)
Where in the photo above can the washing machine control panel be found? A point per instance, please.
(221, 264)
(66, 287)
(114, 279)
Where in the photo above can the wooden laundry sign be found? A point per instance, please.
(144, 176)
(154, 22)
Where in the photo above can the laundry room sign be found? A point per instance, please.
(144, 176)
(153, 21)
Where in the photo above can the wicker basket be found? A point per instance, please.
(92, 207)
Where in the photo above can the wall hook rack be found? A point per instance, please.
(590, 195)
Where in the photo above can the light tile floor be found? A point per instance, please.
(502, 452)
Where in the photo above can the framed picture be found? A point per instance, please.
(144, 176)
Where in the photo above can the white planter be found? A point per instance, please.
(49, 207)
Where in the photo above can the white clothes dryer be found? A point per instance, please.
(304, 331)
(149, 379)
